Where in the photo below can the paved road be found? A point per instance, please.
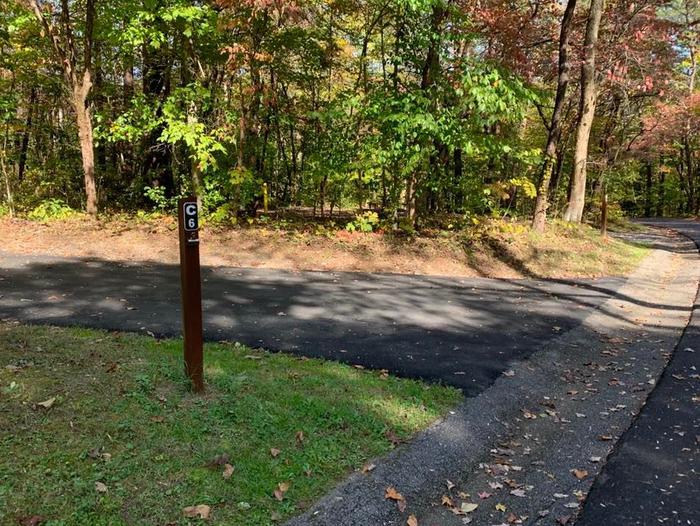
(653, 476)
(463, 332)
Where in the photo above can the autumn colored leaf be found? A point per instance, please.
(33, 520)
(368, 467)
(281, 490)
(500, 507)
(412, 521)
(446, 501)
(201, 511)
(392, 494)
(580, 473)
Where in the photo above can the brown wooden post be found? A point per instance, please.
(191, 286)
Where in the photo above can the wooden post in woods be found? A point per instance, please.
(191, 286)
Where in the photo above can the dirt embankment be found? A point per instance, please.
(501, 250)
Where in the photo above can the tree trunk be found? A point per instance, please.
(540, 217)
(84, 121)
(649, 181)
(574, 210)
(661, 204)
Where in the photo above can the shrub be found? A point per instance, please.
(51, 209)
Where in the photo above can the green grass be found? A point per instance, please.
(125, 395)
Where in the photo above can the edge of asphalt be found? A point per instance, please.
(451, 447)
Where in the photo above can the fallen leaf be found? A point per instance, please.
(512, 518)
(392, 437)
(33, 520)
(564, 520)
(300, 438)
(509, 373)
(580, 473)
(483, 495)
(392, 494)
(606, 438)
(595, 459)
(157, 419)
(100, 487)
(220, 460)
(368, 467)
(447, 501)
(228, 471)
(450, 485)
(518, 492)
(275, 452)
(281, 490)
(495, 485)
(201, 511)
(46, 404)
(401, 505)
(412, 521)
(500, 507)
(468, 507)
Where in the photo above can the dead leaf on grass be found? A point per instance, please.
(228, 471)
(220, 460)
(300, 438)
(392, 437)
(33, 520)
(47, 404)
(275, 452)
(201, 511)
(281, 490)
(100, 487)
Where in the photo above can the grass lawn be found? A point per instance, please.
(123, 442)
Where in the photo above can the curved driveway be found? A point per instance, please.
(463, 332)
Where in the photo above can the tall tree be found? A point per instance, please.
(62, 35)
(574, 210)
(555, 125)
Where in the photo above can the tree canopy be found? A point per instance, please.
(414, 109)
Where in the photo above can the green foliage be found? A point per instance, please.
(51, 209)
(365, 222)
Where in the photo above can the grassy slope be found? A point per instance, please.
(124, 395)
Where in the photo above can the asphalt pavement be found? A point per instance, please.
(462, 332)
(653, 475)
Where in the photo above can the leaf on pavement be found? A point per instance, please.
(368, 467)
(500, 507)
(201, 511)
(580, 473)
(468, 507)
(392, 494)
(412, 521)
(564, 520)
(484, 495)
(518, 492)
(446, 501)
